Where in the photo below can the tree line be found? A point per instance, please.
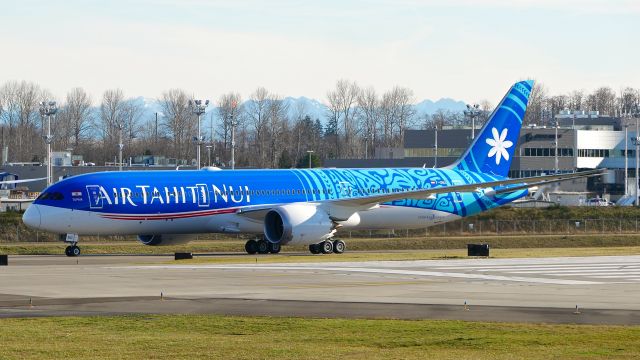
(267, 132)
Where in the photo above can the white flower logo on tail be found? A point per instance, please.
(499, 146)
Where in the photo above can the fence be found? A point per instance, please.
(472, 227)
(17, 232)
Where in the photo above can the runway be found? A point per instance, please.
(604, 289)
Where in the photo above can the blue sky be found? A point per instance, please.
(463, 49)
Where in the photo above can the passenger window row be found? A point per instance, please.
(371, 191)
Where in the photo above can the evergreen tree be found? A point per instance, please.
(285, 161)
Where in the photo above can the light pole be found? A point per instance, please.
(48, 109)
(556, 151)
(233, 135)
(208, 154)
(472, 112)
(198, 108)
(435, 148)
(120, 126)
(636, 141)
(366, 146)
(626, 160)
(310, 152)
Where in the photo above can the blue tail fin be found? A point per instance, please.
(492, 150)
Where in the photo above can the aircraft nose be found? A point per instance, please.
(32, 217)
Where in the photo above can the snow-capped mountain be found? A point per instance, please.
(303, 106)
(429, 107)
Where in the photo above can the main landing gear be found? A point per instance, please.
(328, 247)
(261, 246)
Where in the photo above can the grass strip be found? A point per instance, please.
(228, 337)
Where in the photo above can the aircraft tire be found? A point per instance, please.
(75, 250)
(67, 251)
(251, 247)
(315, 249)
(263, 247)
(274, 248)
(339, 246)
(326, 247)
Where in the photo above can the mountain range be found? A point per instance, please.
(298, 106)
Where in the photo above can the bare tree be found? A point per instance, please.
(537, 102)
(342, 101)
(576, 100)
(78, 112)
(369, 105)
(628, 101)
(397, 114)
(257, 114)
(21, 117)
(555, 104)
(603, 100)
(111, 116)
(230, 112)
(277, 129)
(132, 113)
(179, 122)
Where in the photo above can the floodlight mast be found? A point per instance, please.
(198, 107)
(472, 112)
(48, 109)
(234, 123)
(120, 126)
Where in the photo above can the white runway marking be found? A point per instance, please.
(560, 271)
(381, 271)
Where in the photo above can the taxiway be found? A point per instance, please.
(604, 289)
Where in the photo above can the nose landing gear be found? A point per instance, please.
(73, 249)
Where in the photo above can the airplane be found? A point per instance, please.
(292, 206)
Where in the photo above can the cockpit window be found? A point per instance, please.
(55, 195)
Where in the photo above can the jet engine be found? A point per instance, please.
(297, 224)
(165, 239)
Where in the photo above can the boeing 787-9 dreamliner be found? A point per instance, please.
(292, 206)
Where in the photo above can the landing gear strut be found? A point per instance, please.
(261, 246)
(327, 247)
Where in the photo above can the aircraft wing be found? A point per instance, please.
(502, 185)
(10, 200)
(21, 181)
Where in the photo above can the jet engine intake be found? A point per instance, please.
(297, 224)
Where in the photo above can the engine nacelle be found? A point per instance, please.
(297, 224)
(165, 239)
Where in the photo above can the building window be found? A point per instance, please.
(542, 152)
(593, 153)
